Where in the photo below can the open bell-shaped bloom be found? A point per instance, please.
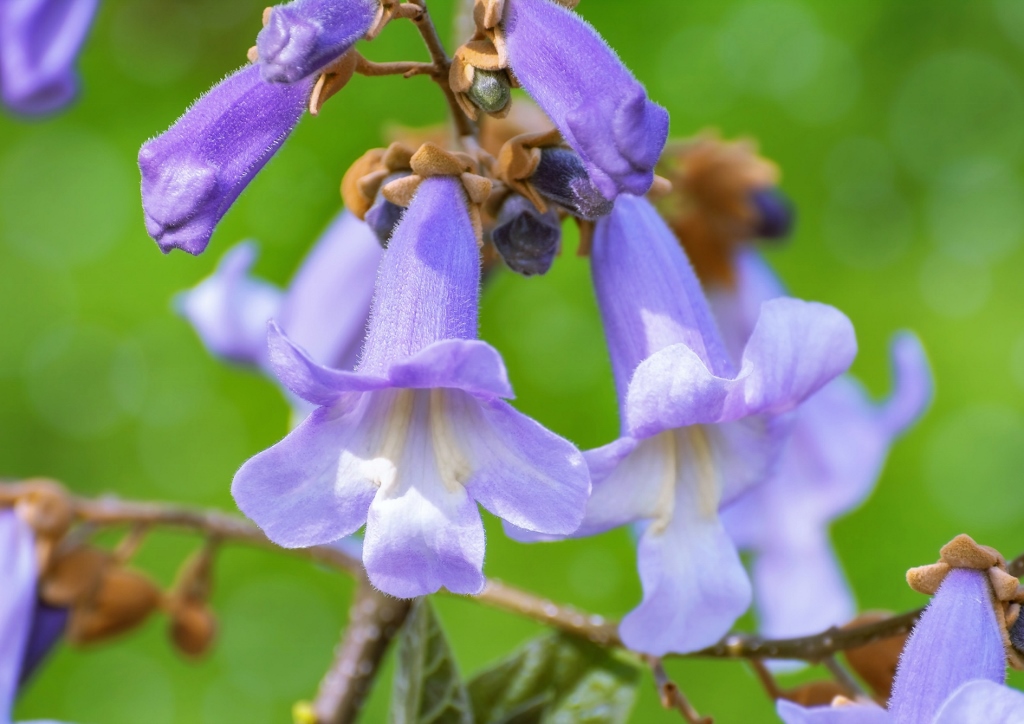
(601, 109)
(839, 439)
(304, 36)
(39, 43)
(28, 628)
(194, 171)
(418, 434)
(697, 429)
(324, 309)
(951, 671)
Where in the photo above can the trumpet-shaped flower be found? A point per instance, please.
(324, 310)
(696, 428)
(28, 629)
(600, 108)
(831, 460)
(194, 171)
(417, 435)
(304, 36)
(39, 42)
(951, 671)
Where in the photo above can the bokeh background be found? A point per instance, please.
(899, 127)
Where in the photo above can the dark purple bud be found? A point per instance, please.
(305, 36)
(1017, 634)
(561, 177)
(384, 216)
(194, 171)
(526, 239)
(48, 626)
(775, 213)
(39, 42)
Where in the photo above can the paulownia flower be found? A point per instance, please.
(418, 434)
(952, 669)
(324, 310)
(697, 428)
(28, 628)
(598, 105)
(305, 36)
(194, 171)
(39, 43)
(831, 461)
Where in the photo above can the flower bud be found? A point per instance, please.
(193, 627)
(490, 90)
(561, 177)
(526, 239)
(194, 171)
(774, 212)
(383, 216)
(305, 36)
(124, 600)
(73, 576)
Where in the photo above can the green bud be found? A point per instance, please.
(490, 91)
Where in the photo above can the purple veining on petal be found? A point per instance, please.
(39, 43)
(304, 36)
(593, 99)
(412, 440)
(194, 171)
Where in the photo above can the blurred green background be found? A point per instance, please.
(899, 127)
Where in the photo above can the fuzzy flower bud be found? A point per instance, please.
(561, 177)
(383, 216)
(194, 171)
(305, 36)
(526, 239)
(774, 212)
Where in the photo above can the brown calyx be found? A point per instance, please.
(1007, 593)
(518, 160)
(363, 179)
(193, 625)
(709, 206)
(484, 51)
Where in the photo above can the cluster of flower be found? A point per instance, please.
(39, 43)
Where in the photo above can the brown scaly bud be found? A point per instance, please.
(123, 600)
(876, 662)
(46, 506)
(1007, 593)
(193, 625)
(73, 575)
(432, 160)
(479, 73)
(723, 196)
(364, 178)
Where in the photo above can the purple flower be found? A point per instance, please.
(951, 670)
(600, 108)
(324, 309)
(696, 428)
(417, 435)
(194, 171)
(833, 456)
(304, 36)
(39, 42)
(28, 629)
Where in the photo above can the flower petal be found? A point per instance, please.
(982, 702)
(465, 364)
(957, 640)
(522, 472)
(912, 386)
(593, 99)
(311, 488)
(792, 713)
(230, 310)
(17, 604)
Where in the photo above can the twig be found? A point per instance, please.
(442, 63)
(843, 678)
(405, 68)
(767, 679)
(373, 622)
(672, 696)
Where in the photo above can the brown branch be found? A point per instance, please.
(442, 63)
(844, 678)
(373, 622)
(405, 68)
(767, 679)
(589, 626)
(672, 696)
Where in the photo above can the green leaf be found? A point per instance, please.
(427, 688)
(556, 679)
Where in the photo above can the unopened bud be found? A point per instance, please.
(526, 239)
(124, 600)
(562, 178)
(1017, 634)
(193, 627)
(775, 213)
(383, 216)
(73, 576)
(490, 91)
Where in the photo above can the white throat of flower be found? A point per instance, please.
(688, 472)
